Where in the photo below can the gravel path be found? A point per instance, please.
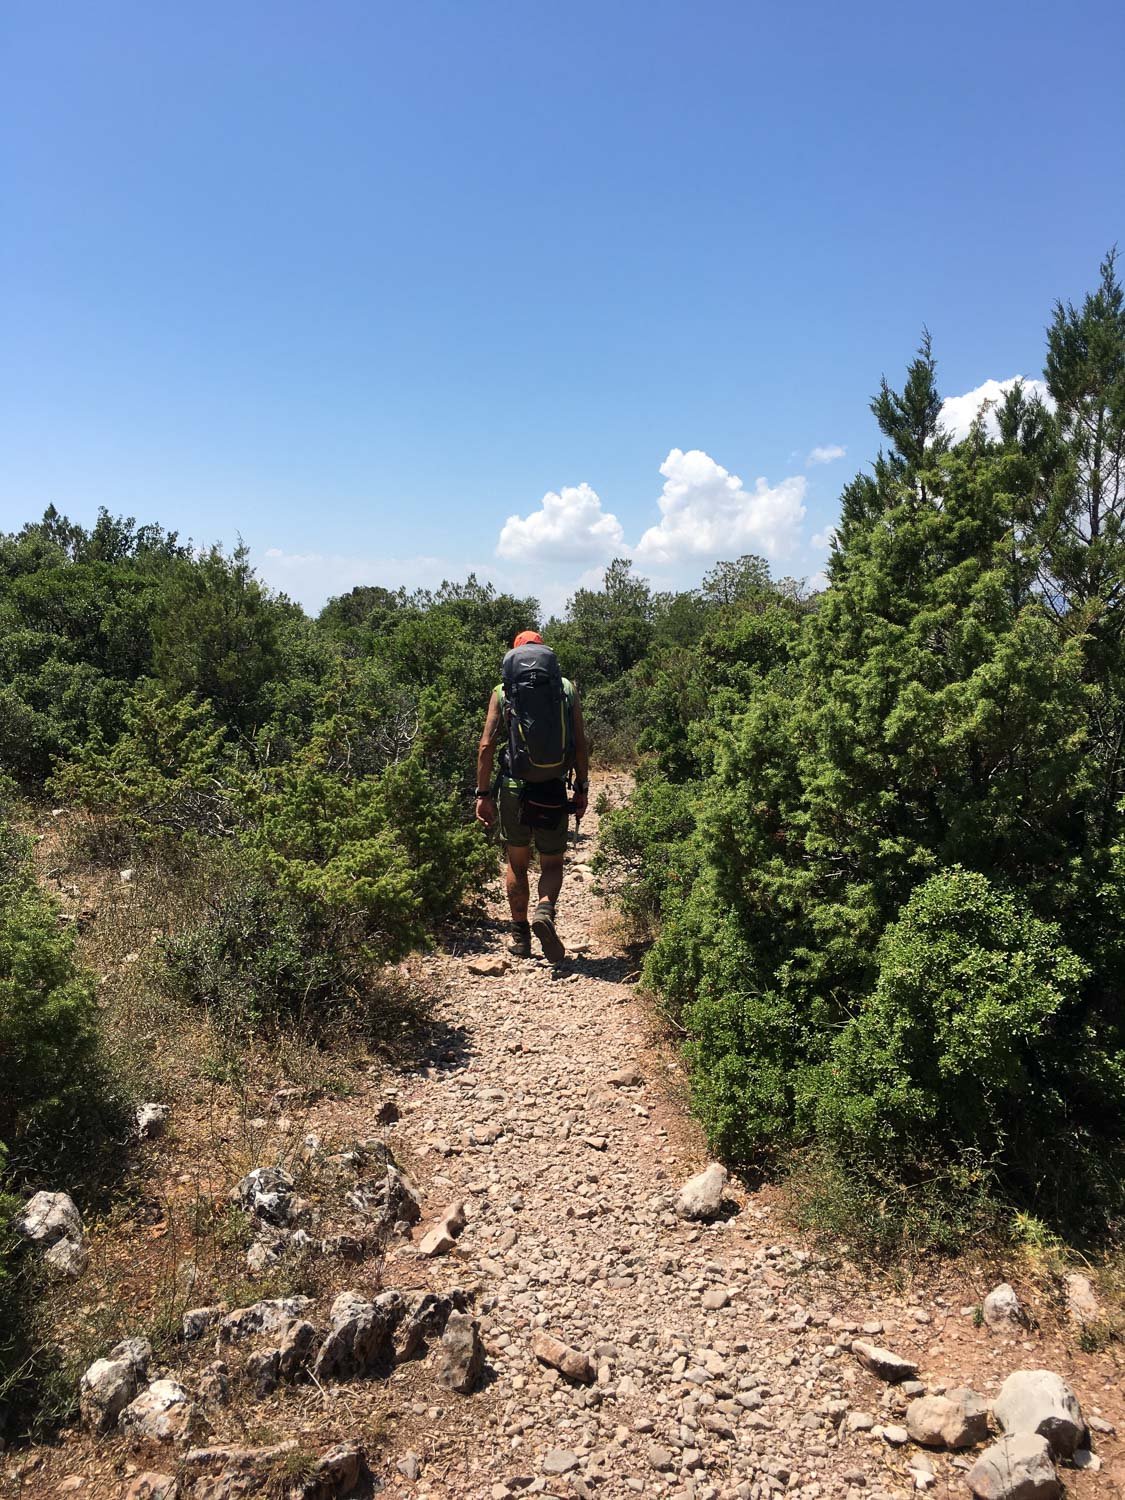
(559, 1123)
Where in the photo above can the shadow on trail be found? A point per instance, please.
(613, 968)
(413, 1038)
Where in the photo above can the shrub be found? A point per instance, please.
(968, 1051)
(901, 943)
(60, 1118)
(164, 772)
(56, 1106)
(263, 958)
(645, 855)
(335, 875)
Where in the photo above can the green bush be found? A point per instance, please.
(335, 874)
(967, 1057)
(263, 959)
(900, 947)
(163, 773)
(57, 1111)
(645, 856)
(61, 1121)
(963, 1039)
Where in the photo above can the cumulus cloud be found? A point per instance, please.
(569, 525)
(821, 541)
(706, 512)
(824, 453)
(959, 412)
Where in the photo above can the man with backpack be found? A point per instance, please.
(535, 713)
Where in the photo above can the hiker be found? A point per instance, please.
(535, 711)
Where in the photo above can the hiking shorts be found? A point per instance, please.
(517, 833)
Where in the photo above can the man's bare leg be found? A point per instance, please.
(550, 876)
(516, 886)
(543, 922)
(515, 881)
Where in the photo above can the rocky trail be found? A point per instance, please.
(514, 1296)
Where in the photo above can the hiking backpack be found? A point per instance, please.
(538, 706)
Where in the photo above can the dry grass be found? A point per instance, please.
(166, 1237)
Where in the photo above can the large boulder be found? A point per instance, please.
(104, 1392)
(575, 1365)
(442, 1234)
(150, 1486)
(1039, 1401)
(398, 1198)
(956, 1420)
(49, 1217)
(462, 1352)
(52, 1221)
(200, 1320)
(337, 1472)
(150, 1120)
(67, 1258)
(1082, 1305)
(360, 1335)
(162, 1413)
(109, 1385)
(701, 1196)
(1015, 1468)
(297, 1349)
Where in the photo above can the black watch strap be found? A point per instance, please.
(486, 793)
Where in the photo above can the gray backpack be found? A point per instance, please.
(538, 705)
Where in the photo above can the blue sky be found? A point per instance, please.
(362, 281)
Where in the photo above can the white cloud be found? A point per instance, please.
(959, 412)
(821, 541)
(705, 512)
(569, 525)
(824, 453)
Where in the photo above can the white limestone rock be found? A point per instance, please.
(701, 1196)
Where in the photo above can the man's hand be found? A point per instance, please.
(581, 803)
(486, 811)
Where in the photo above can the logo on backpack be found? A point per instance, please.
(538, 710)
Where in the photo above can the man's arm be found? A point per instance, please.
(486, 757)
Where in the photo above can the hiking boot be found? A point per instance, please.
(519, 945)
(543, 926)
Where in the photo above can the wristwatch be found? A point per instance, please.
(582, 787)
(478, 794)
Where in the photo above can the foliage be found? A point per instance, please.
(163, 772)
(900, 942)
(76, 622)
(55, 1104)
(645, 852)
(216, 637)
(60, 1118)
(339, 869)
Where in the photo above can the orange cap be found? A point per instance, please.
(528, 638)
